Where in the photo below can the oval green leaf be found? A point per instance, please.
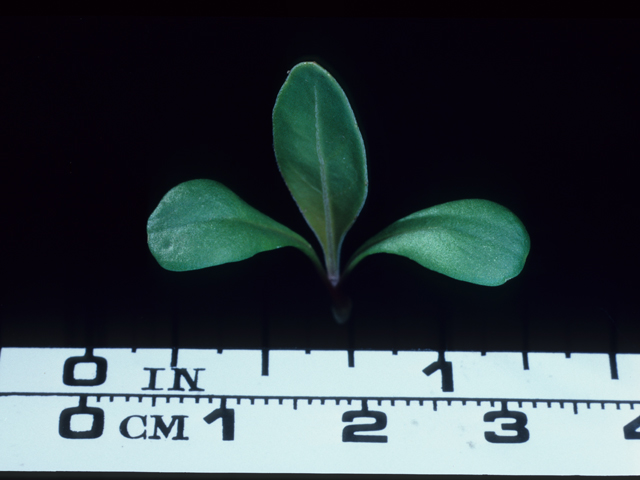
(476, 241)
(321, 155)
(201, 223)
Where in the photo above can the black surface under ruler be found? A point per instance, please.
(110, 364)
(198, 411)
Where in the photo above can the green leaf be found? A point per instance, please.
(201, 223)
(476, 241)
(320, 153)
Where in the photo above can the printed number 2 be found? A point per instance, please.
(349, 432)
(631, 430)
(519, 426)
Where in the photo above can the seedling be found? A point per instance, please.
(321, 156)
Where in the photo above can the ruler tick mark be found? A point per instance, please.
(265, 362)
(613, 364)
(174, 357)
(525, 360)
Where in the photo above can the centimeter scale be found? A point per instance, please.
(252, 411)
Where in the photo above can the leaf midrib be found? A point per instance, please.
(323, 179)
(253, 223)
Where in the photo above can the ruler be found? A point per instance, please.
(320, 412)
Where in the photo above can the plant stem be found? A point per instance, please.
(340, 302)
(341, 307)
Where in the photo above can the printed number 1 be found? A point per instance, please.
(228, 419)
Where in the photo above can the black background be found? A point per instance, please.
(102, 116)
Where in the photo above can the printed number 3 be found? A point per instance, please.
(519, 426)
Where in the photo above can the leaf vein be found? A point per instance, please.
(324, 182)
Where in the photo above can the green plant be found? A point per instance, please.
(321, 156)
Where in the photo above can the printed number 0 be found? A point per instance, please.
(97, 414)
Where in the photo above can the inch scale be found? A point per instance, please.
(319, 412)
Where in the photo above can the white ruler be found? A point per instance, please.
(248, 411)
